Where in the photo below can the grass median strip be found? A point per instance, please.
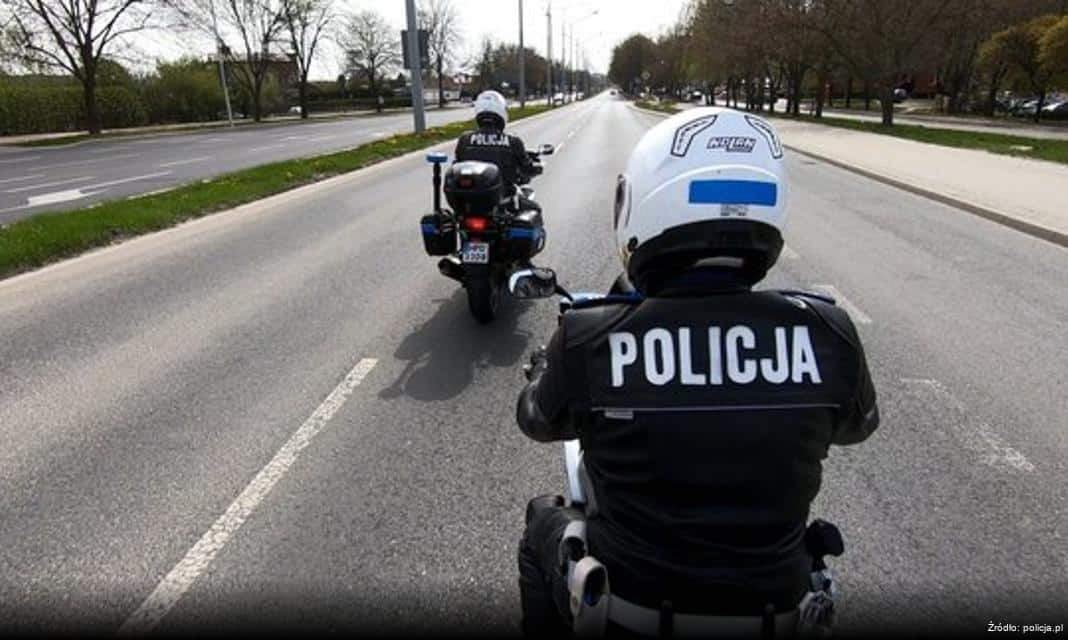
(1051, 150)
(48, 237)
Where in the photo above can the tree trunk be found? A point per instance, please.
(303, 89)
(821, 89)
(92, 108)
(992, 95)
(849, 92)
(441, 86)
(374, 92)
(1041, 103)
(799, 78)
(867, 97)
(886, 99)
(257, 100)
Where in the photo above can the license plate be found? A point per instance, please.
(476, 252)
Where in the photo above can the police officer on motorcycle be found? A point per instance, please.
(704, 408)
(489, 143)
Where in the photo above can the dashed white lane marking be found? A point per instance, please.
(75, 163)
(853, 310)
(559, 147)
(979, 437)
(178, 163)
(112, 183)
(789, 253)
(22, 178)
(18, 159)
(55, 197)
(267, 146)
(111, 149)
(45, 185)
(185, 573)
(212, 139)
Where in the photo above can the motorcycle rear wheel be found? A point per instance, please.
(483, 298)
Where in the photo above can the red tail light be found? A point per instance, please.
(476, 224)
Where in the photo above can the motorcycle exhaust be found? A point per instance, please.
(450, 267)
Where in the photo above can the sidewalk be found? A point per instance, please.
(1029, 195)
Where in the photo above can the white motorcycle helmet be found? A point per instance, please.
(490, 104)
(707, 186)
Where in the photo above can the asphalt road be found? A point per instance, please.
(35, 179)
(167, 439)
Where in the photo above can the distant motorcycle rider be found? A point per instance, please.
(489, 143)
(704, 408)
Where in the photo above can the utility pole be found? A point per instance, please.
(549, 54)
(522, 62)
(220, 51)
(414, 56)
(563, 55)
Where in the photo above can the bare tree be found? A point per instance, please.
(444, 37)
(371, 48)
(72, 35)
(250, 27)
(306, 23)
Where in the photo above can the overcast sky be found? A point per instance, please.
(595, 33)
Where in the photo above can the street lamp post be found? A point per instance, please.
(549, 54)
(416, 69)
(522, 62)
(573, 47)
(220, 51)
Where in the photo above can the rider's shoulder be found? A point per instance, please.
(824, 306)
(587, 318)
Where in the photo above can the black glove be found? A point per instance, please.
(539, 362)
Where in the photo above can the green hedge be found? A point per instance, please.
(47, 109)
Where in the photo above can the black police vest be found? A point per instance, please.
(704, 422)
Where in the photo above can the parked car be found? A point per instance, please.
(294, 111)
(1025, 107)
(900, 95)
(1056, 110)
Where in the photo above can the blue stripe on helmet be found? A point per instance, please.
(733, 192)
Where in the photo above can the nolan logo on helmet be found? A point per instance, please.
(668, 357)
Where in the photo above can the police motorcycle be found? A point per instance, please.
(485, 235)
(588, 580)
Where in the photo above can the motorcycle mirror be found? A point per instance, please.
(546, 149)
(436, 157)
(527, 284)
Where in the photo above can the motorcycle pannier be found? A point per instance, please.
(473, 187)
(439, 234)
(526, 235)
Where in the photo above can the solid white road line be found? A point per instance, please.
(45, 185)
(186, 572)
(853, 310)
(20, 179)
(178, 163)
(112, 183)
(978, 437)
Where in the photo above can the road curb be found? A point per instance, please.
(993, 215)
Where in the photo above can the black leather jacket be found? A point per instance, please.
(490, 144)
(704, 413)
